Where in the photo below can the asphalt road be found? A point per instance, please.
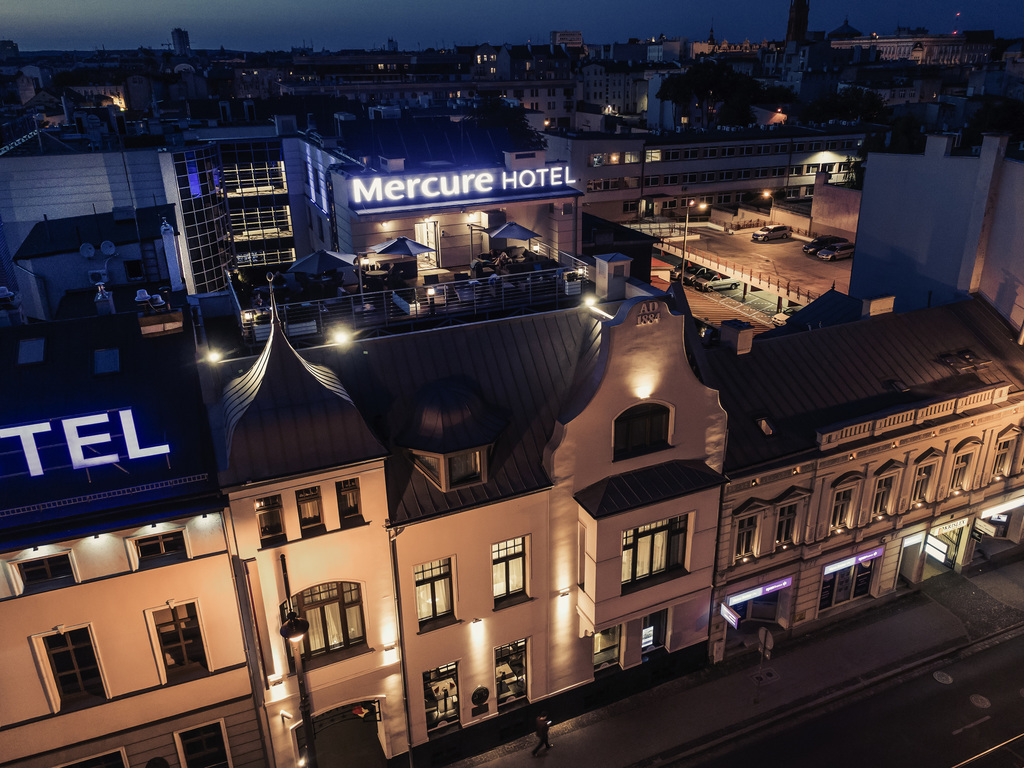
(964, 715)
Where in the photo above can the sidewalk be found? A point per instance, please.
(684, 716)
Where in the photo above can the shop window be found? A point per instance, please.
(334, 611)
(652, 632)
(268, 518)
(441, 696)
(842, 503)
(75, 668)
(606, 647)
(785, 528)
(311, 514)
(641, 429)
(45, 573)
(348, 502)
(959, 480)
(434, 604)
(161, 549)
(203, 747)
(846, 584)
(652, 550)
(510, 671)
(181, 642)
(746, 531)
(508, 571)
(881, 503)
(922, 490)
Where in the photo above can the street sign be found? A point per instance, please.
(765, 642)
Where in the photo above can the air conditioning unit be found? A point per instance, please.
(97, 276)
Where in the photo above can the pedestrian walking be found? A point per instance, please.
(542, 726)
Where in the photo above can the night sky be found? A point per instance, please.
(258, 25)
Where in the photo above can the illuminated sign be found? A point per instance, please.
(767, 589)
(860, 558)
(85, 450)
(382, 191)
(949, 527)
(730, 615)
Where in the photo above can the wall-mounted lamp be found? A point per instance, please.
(564, 593)
(286, 715)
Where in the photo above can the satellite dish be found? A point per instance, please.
(87, 250)
(108, 248)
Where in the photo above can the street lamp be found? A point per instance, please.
(767, 194)
(294, 630)
(686, 224)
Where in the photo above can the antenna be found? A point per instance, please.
(87, 250)
(107, 248)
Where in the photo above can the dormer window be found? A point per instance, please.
(641, 429)
(453, 470)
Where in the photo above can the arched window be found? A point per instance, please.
(335, 614)
(641, 429)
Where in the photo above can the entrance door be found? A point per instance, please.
(347, 737)
(426, 234)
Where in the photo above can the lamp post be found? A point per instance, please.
(767, 194)
(294, 630)
(686, 224)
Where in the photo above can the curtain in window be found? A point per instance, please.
(515, 576)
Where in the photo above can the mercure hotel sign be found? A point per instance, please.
(414, 191)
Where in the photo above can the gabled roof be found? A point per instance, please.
(284, 416)
(808, 381)
(650, 485)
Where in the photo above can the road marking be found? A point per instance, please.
(958, 731)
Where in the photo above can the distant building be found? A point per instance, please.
(8, 50)
(920, 47)
(573, 39)
(796, 29)
(179, 39)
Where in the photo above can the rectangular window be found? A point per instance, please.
(464, 468)
(786, 526)
(311, 516)
(746, 529)
(631, 157)
(959, 479)
(204, 747)
(1002, 460)
(31, 351)
(670, 154)
(76, 671)
(652, 630)
(880, 505)
(711, 152)
(652, 181)
(629, 206)
(595, 161)
(109, 760)
(671, 179)
(691, 154)
(707, 176)
(728, 151)
(653, 549)
(652, 155)
(510, 671)
(606, 647)
(334, 611)
(922, 483)
(845, 585)
(797, 170)
(841, 508)
(46, 573)
(348, 502)
(434, 592)
(181, 642)
(441, 696)
(167, 547)
(508, 571)
(268, 518)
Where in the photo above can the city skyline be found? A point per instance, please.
(52, 24)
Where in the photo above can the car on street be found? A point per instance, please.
(781, 318)
(772, 232)
(835, 252)
(694, 272)
(823, 242)
(717, 282)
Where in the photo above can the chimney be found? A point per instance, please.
(876, 305)
(738, 335)
(612, 274)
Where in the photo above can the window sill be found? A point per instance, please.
(155, 561)
(314, 530)
(273, 541)
(353, 521)
(650, 581)
(332, 657)
(508, 602)
(439, 623)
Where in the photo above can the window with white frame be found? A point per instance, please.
(75, 668)
(161, 548)
(109, 760)
(311, 511)
(959, 479)
(746, 530)
(453, 470)
(922, 490)
(842, 503)
(181, 642)
(204, 747)
(44, 573)
(334, 611)
(785, 528)
(434, 605)
(269, 520)
(631, 157)
(881, 503)
(349, 509)
(653, 549)
(508, 571)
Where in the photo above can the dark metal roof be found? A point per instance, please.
(285, 415)
(523, 368)
(650, 485)
(450, 416)
(808, 381)
(831, 308)
(67, 235)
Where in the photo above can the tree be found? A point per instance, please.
(856, 104)
(723, 95)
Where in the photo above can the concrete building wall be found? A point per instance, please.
(1002, 279)
(835, 210)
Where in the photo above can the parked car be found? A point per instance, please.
(781, 318)
(693, 272)
(717, 282)
(822, 242)
(835, 252)
(772, 232)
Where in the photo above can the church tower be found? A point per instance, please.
(796, 30)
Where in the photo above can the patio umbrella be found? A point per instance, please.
(512, 231)
(321, 261)
(400, 246)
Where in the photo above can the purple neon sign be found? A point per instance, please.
(761, 591)
(862, 557)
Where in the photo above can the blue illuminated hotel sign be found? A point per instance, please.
(87, 443)
(423, 190)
